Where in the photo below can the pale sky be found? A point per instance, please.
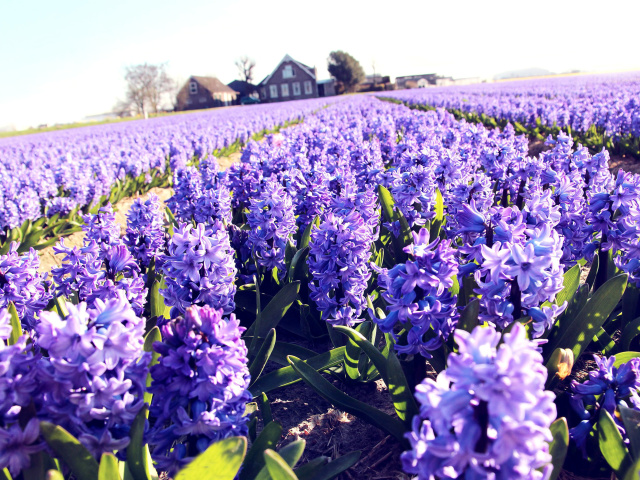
(61, 60)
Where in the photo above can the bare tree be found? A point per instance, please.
(245, 68)
(146, 86)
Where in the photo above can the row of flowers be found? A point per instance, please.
(440, 239)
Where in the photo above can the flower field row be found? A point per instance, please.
(598, 110)
(404, 246)
(57, 173)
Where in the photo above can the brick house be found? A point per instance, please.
(291, 80)
(204, 92)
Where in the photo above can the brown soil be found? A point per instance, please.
(536, 147)
(333, 433)
(624, 162)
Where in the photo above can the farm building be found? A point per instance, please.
(290, 80)
(204, 92)
(246, 91)
(416, 81)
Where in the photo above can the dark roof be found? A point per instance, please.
(242, 87)
(287, 58)
(213, 85)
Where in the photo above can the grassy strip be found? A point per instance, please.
(594, 139)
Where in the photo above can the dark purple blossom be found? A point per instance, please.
(199, 386)
(145, 230)
(418, 297)
(339, 253)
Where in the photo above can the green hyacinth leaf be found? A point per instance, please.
(221, 461)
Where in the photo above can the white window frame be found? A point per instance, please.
(308, 88)
(288, 72)
(296, 89)
(284, 89)
(193, 88)
(273, 91)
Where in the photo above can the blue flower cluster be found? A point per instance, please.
(199, 386)
(201, 195)
(18, 387)
(271, 226)
(199, 268)
(102, 228)
(145, 230)
(487, 415)
(21, 284)
(608, 387)
(102, 267)
(339, 252)
(93, 381)
(517, 264)
(65, 169)
(418, 296)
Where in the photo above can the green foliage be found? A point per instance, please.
(559, 446)
(138, 451)
(71, 451)
(262, 357)
(108, 469)
(612, 446)
(631, 419)
(278, 468)
(469, 316)
(577, 332)
(221, 461)
(343, 401)
(254, 462)
(277, 308)
(391, 372)
(288, 375)
(391, 215)
(153, 336)
(290, 454)
(345, 69)
(436, 223)
(16, 326)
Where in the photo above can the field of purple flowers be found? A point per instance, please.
(494, 294)
(597, 110)
(49, 180)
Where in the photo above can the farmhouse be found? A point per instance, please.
(204, 92)
(416, 81)
(290, 80)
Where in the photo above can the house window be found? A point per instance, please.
(273, 91)
(296, 88)
(308, 90)
(263, 92)
(285, 89)
(193, 88)
(202, 100)
(288, 72)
